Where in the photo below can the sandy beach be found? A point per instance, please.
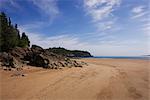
(102, 79)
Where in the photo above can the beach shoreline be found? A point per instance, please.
(102, 79)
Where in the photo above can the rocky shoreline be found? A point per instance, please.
(36, 56)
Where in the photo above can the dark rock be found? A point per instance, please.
(38, 48)
(61, 64)
(39, 60)
(7, 59)
(24, 75)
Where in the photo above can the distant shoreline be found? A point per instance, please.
(121, 57)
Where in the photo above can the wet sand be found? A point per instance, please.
(102, 79)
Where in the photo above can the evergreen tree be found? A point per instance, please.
(9, 35)
(9, 23)
(16, 26)
(24, 41)
(3, 30)
(12, 37)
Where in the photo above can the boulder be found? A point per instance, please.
(37, 49)
(8, 60)
(39, 60)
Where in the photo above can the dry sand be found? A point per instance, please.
(102, 79)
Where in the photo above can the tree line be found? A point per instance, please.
(69, 53)
(10, 35)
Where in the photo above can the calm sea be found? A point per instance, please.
(124, 57)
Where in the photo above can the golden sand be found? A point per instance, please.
(102, 79)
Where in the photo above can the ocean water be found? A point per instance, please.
(124, 57)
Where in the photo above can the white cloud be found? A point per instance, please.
(105, 25)
(138, 9)
(139, 15)
(138, 12)
(33, 25)
(101, 11)
(146, 29)
(49, 7)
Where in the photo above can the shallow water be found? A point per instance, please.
(125, 57)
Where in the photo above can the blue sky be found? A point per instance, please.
(103, 27)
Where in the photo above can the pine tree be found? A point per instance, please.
(9, 23)
(16, 26)
(24, 41)
(10, 36)
(3, 30)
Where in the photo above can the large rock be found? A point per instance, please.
(9, 61)
(39, 60)
(19, 53)
(37, 49)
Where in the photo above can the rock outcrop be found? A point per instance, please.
(36, 56)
